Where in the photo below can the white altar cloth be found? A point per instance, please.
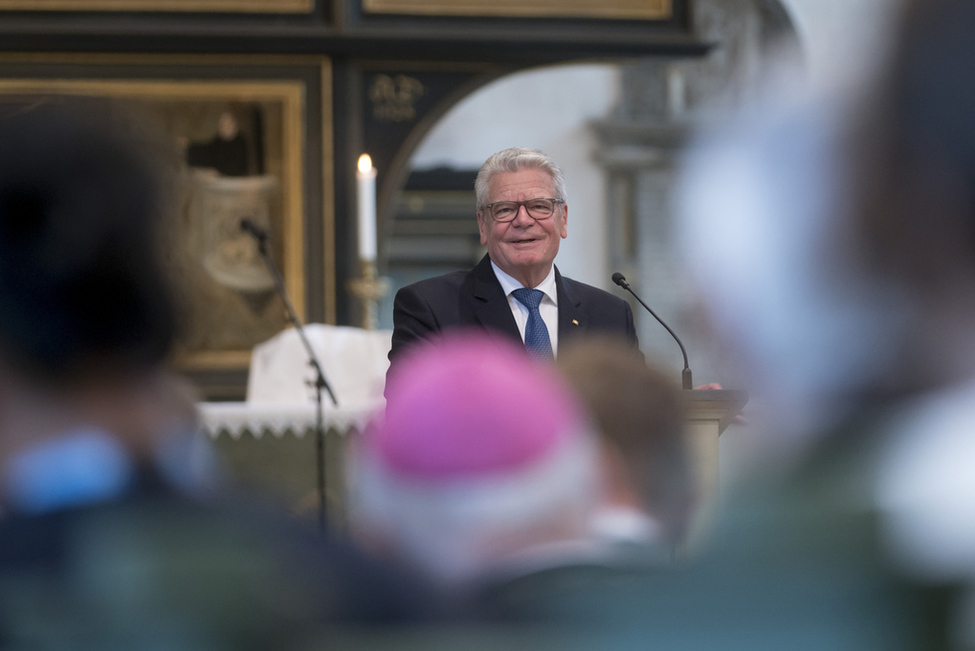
(236, 418)
(280, 386)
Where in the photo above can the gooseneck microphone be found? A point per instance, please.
(685, 375)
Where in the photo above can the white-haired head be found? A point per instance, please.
(515, 159)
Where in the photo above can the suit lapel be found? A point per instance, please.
(490, 309)
(489, 304)
(573, 319)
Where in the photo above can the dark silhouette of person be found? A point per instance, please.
(114, 531)
(227, 152)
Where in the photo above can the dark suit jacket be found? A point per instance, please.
(475, 299)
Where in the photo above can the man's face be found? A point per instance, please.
(523, 248)
(227, 127)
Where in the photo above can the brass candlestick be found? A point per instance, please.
(369, 289)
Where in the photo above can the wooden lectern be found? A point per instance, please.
(708, 414)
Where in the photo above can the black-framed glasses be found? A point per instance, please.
(506, 211)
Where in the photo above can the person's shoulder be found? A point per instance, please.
(452, 279)
(265, 553)
(576, 594)
(590, 292)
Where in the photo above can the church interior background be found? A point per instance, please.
(302, 87)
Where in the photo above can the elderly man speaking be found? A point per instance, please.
(515, 289)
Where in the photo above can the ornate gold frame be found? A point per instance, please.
(289, 93)
(609, 9)
(196, 6)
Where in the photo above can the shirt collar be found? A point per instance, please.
(509, 284)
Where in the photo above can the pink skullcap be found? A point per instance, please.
(468, 405)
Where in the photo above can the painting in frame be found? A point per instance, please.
(237, 150)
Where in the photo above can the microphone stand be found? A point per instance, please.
(685, 375)
(320, 382)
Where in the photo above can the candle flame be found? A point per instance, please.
(365, 163)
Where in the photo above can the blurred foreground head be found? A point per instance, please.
(82, 289)
(639, 414)
(833, 234)
(916, 196)
(481, 456)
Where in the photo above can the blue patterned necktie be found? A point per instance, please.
(536, 334)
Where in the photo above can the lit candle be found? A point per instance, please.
(366, 181)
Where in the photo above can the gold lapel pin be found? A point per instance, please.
(574, 322)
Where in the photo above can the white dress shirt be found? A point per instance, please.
(549, 307)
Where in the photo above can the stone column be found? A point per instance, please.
(661, 101)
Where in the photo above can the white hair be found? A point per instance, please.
(515, 159)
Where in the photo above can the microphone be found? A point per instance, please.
(685, 375)
(254, 230)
